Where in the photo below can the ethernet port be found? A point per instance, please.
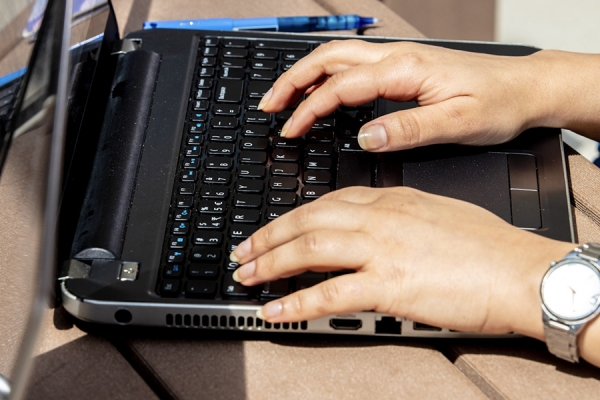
(388, 326)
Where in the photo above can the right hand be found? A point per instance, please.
(467, 98)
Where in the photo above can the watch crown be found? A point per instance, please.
(553, 263)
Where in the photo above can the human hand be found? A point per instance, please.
(431, 259)
(467, 98)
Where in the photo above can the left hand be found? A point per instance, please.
(431, 259)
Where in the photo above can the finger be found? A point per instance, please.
(352, 87)
(452, 121)
(326, 60)
(315, 216)
(321, 250)
(340, 295)
(353, 194)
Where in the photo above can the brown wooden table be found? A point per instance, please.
(82, 363)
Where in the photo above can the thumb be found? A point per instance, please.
(421, 126)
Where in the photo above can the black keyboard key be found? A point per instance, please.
(196, 127)
(203, 271)
(214, 162)
(282, 116)
(175, 256)
(208, 61)
(252, 104)
(210, 51)
(189, 175)
(210, 41)
(349, 145)
(212, 207)
(325, 123)
(266, 55)
(224, 122)
(247, 200)
(251, 171)
(222, 135)
(257, 117)
(242, 231)
(294, 55)
(314, 191)
(263, 65)
(236, 43)
(245, 215)
(253, 157)
(283, 183)
(210, 222)
(255, 144)
(281, 45)
(194, 140)
(192, 151)
(206, 72)
(287, 143)
(260, 75)
(229, 92)
(316, 177)
(223, 149)
(203, 94)
(287, 65)
(201, 105)
(180, 228)
(232, 64)
(319, 149)
(211, 238)
(173, 271)
(169, 287)
(256, 131)
(354, 169)
(284, 169)
(234, 74)
(184, 201)
(182, 214)
(320, 137)
(275, 289)
(206, 254)
(200, 289)
(282, 199)
(276, 212)
(235, 53)
(232, 244)
(257, 89)
(234, 289)
(186, 188)
(226, 109)
(214, 192)
(321, 163)
(243, 185)
(177, 242)
(204, 83)
(216, 176)
(285, 155)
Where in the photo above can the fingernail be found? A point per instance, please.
(286, 126)
(270, 310)
(265, 99)
(240, 251)
(244, 272)
(372, 137)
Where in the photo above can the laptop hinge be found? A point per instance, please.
(74, 269)
(125, 46)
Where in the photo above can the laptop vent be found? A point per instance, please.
(228, 322)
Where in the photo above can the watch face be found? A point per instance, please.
(572, 290)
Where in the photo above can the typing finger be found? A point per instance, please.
(321, 250)
(310, 217)
(328, 59)
(340, 295)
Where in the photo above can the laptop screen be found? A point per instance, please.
(29, 189)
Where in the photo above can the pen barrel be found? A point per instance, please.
(325, 23)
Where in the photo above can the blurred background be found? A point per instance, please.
(556, 24)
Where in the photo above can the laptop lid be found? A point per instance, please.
(30, 160)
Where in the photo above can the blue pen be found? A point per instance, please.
(281, 24)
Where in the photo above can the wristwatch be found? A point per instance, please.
(570, 299)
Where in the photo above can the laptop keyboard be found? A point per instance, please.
(235, 174)
(8, 96)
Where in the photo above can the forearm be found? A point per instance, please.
(566, 93)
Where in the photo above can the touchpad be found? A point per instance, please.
(481, 179)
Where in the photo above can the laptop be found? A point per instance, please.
(168, 165)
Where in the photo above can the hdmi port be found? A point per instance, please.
(345, 324)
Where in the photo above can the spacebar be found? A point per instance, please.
(354, 169)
